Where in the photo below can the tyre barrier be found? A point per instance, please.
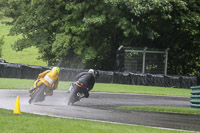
(22, 71)
(195, 97)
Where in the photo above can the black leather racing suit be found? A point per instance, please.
(86, 81)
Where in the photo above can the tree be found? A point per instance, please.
(87, 33)
(1, 37)
(68, 31)
(1, 44)
(165, 24)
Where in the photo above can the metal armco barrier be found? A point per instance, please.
(195, 97)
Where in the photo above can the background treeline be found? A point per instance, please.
(86, 34)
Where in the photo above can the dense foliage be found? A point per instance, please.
(1, 37)
(86, 34)
(1, 43)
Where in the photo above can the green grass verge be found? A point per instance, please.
(168, 109)
(7, 83)
(30, 123)
(27, 56)
(25, 84)
(139, 89)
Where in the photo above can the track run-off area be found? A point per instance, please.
(103, 107)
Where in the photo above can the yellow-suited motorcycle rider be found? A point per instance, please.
(50, 78)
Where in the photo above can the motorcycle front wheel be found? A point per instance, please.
(73, 96)
(38, 95)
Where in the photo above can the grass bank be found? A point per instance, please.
(28, 56)
(7, 83)
(30, 123)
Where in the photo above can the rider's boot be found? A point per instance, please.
(31, 90)
(70, 88)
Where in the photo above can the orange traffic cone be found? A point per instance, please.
(17, 107)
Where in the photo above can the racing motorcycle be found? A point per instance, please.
(39, 94)
(44, 85)
(74, 94)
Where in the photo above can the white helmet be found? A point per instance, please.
(91, 71)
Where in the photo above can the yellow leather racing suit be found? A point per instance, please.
(50, 78)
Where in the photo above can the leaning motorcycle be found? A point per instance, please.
(74, 95)
(39, 94)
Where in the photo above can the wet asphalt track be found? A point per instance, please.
(102, 106)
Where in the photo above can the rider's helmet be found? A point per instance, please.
(57, 69)
(91, 71)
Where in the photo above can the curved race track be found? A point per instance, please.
(102, 106)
